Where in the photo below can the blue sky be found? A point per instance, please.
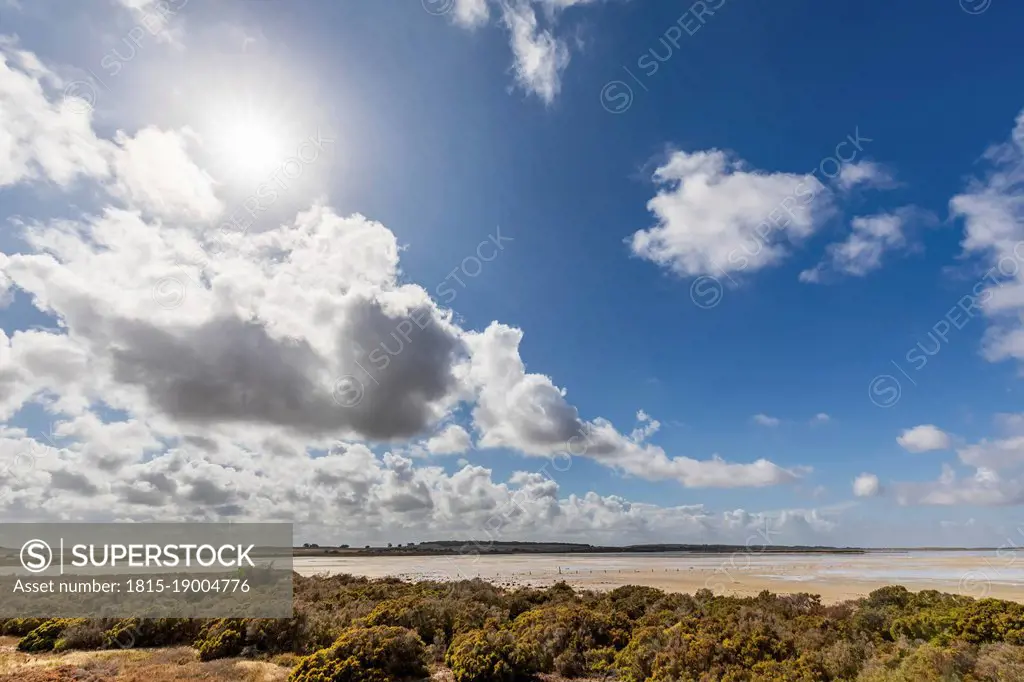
(629, 155)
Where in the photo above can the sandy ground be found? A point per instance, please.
(835, 577)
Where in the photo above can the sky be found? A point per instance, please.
(606, 271)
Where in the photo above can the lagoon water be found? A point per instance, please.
(996, 573)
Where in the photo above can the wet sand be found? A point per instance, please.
(836, 577)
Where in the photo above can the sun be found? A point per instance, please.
(247, 144)
(252, 142)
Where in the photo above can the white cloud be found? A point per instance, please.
(924, 438)
(992, 208)
(527, 412)
(717, 216)
(866, 485)
(765, 420)
(453, 440)
(471, 13)
(648, 426)
(155, 172)
(47, 135)
(862, 250)
(984, 489)
(998, 454)
(1011, 423)
(998, 478)
(540, 57)
(44, 136)
(821, 418)
(351, 492)
(300, 331)
(870, 238)
(864, 173)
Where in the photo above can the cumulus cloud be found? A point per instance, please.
(924, 438)
(155, 172)
(1012, 423)
(869, 239)
(471, 13)
(283, 374)
(866, 485)
(44, 136)
(865, 174)
(997, 479)
(647, 426)
(453, 440)
(821, 418)
(210, 360)
(353, 493)
(997, 454)
(765, 420)
(716, 216)
(527, 412)
(985, 488)
(992, 209)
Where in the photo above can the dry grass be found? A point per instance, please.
(179, 664)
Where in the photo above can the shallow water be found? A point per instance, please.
(977, 573)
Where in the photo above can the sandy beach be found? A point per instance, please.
(836, 577)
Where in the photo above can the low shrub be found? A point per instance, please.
(373, 654)
(635, 662)
(128, 633)
(83, 636)
(45, 637)
(275, 635)
(558, 637)
(353, 629)
(222, 638)
(489, 656)
(19, 627)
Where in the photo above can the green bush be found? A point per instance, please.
(558, 637)
(374, 654)
(990, 620)
(128, 633)
(917, 664)
(788, 670)
(429, 618)
(364, 630)
(635, 662)
(45, 637)
(634, 600)
(891, 596)
(222, 638)
(19, 627)
(276, 635)
(489, 656)
(86, 635)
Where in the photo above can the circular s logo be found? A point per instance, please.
(884, 390)
(348, 391)
(616, 97)
(975, 6)
(36, 556)
(706, 292)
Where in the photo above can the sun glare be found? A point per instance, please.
(248, 145)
